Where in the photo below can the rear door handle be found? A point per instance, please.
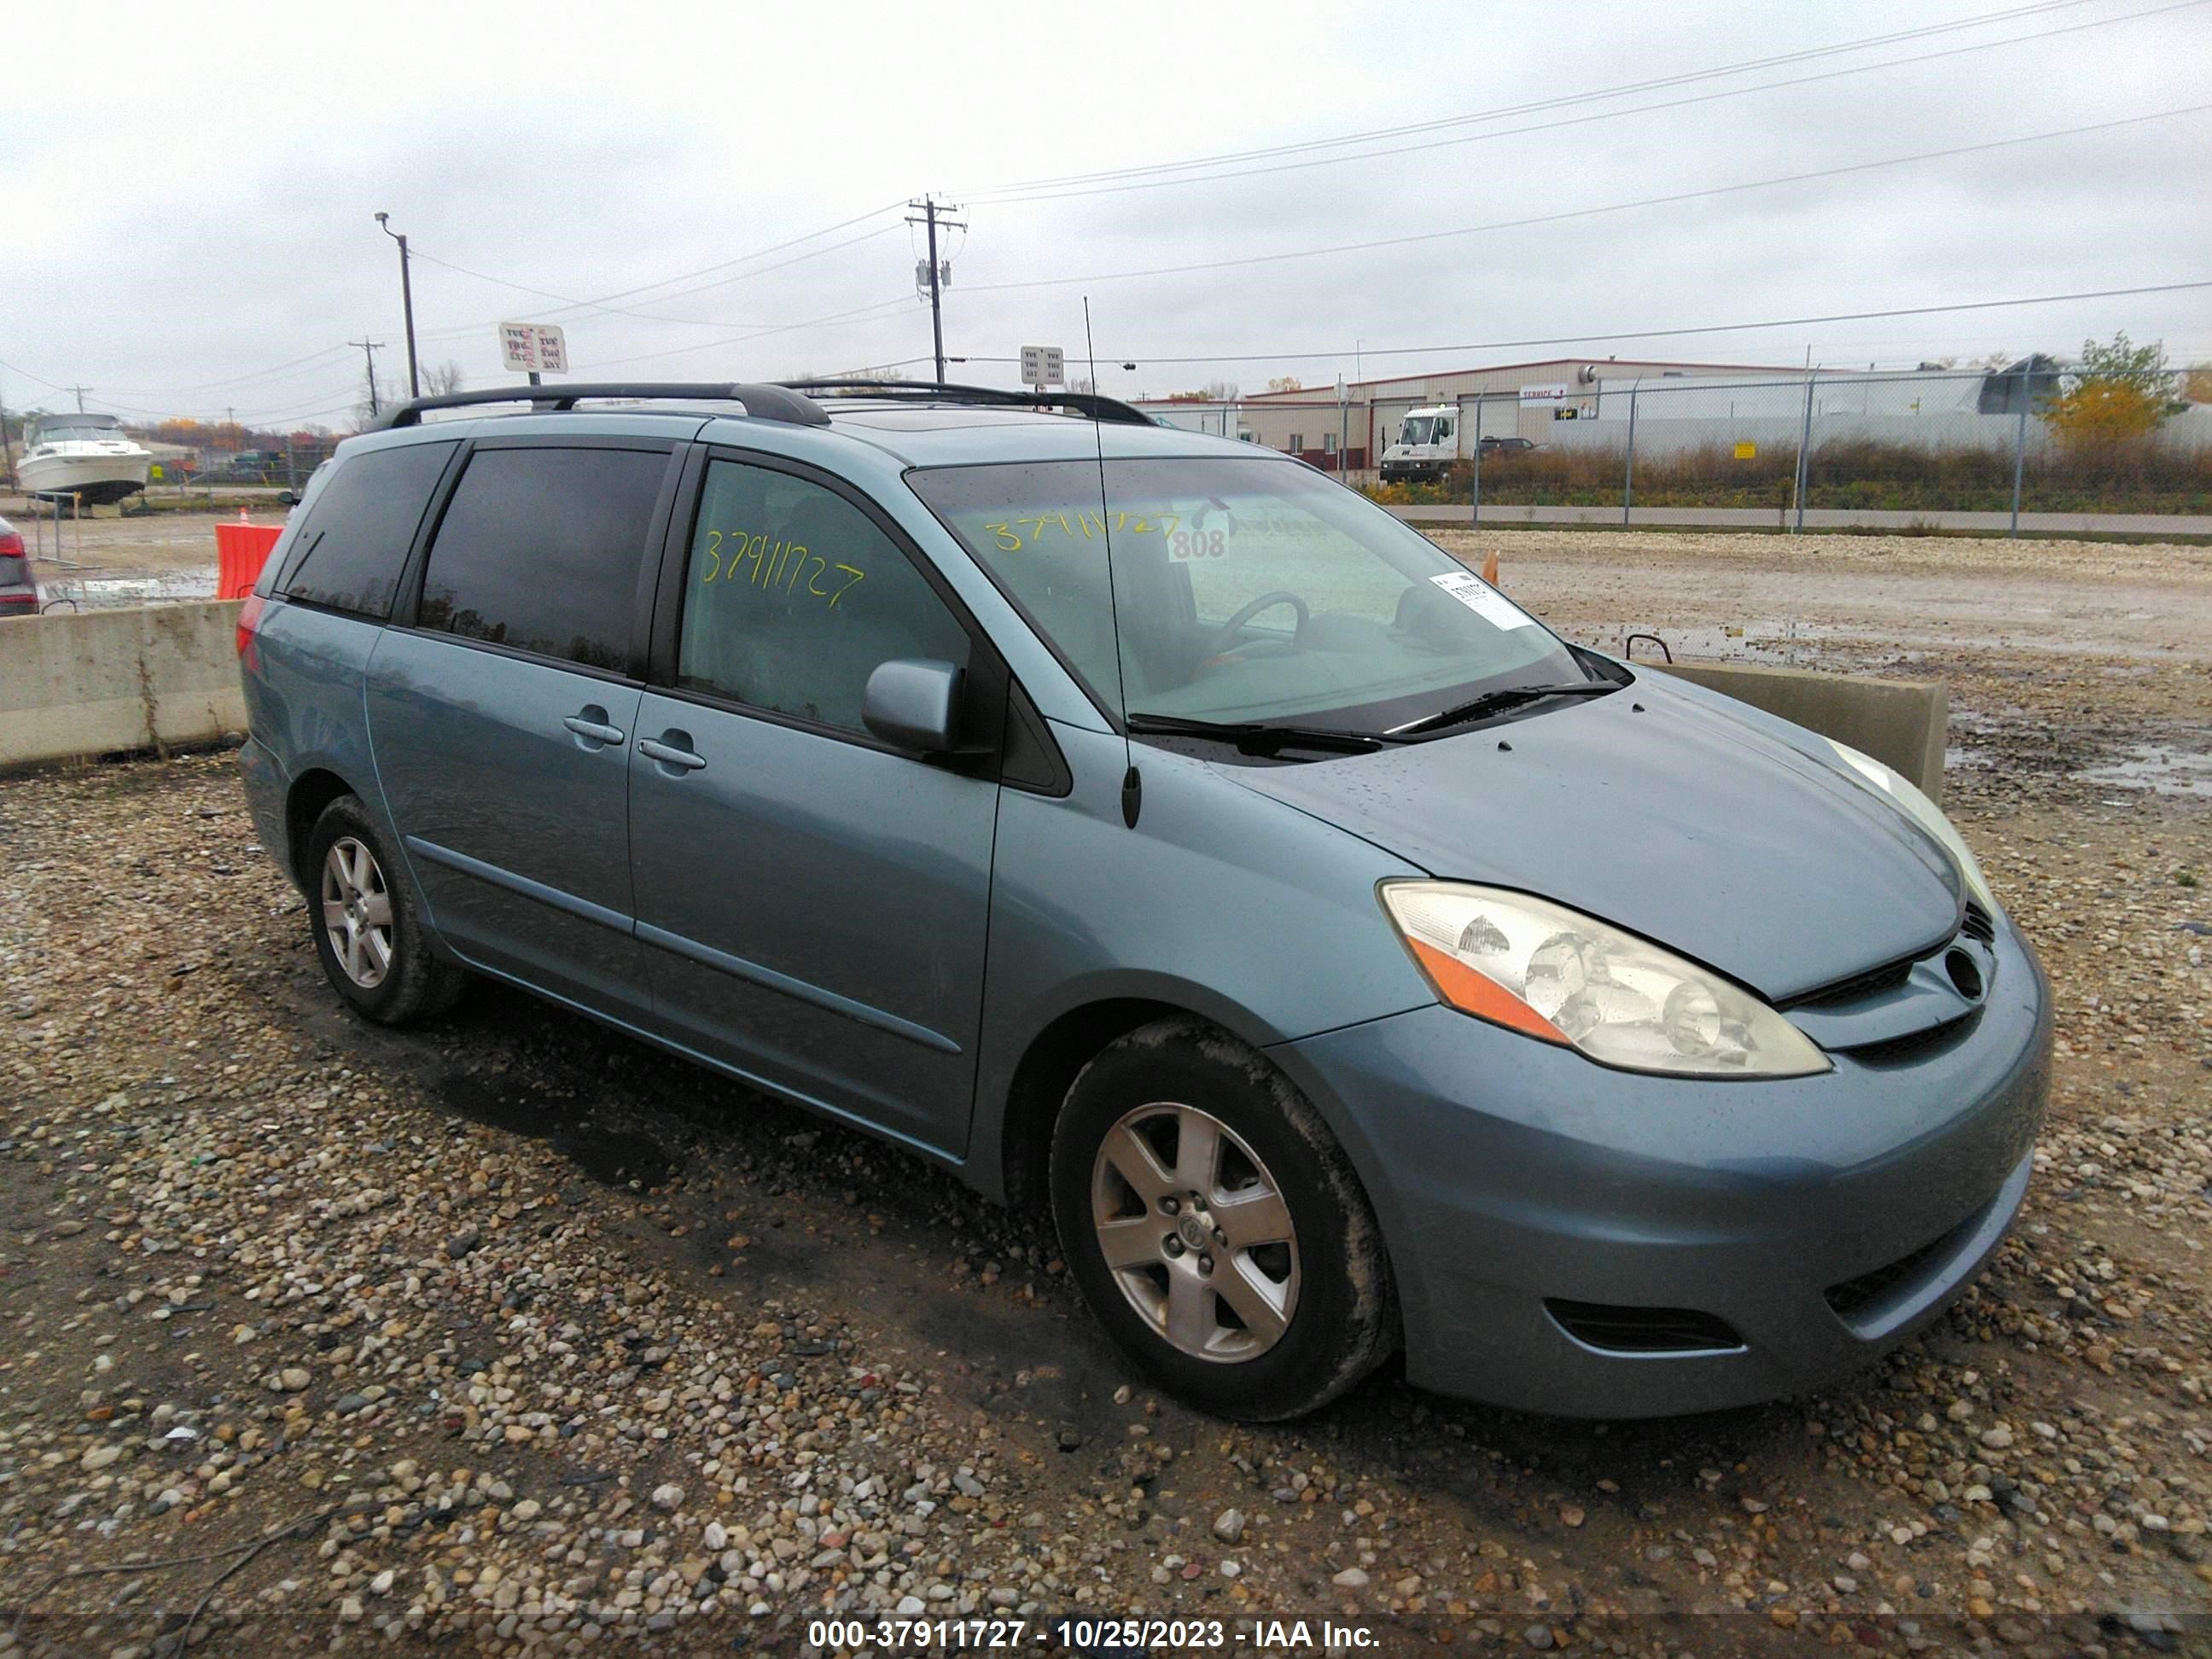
(668, 755)
(590, 723)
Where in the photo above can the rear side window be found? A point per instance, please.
(539, 552)
(362, 524)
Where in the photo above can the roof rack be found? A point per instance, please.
(937, 391)
(766, 403)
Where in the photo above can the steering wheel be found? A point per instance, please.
(1231, 631)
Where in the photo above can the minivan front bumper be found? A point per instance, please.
(1571, 1239)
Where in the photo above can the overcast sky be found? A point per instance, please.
(191, 212)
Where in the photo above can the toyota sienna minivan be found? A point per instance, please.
(1143, 825)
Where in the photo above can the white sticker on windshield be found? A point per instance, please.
(1485, 601)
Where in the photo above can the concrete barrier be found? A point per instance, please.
(1904, 724)
(150, 677)
(158, 675)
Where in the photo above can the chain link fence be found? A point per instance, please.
(284, 470)
(1952, 448)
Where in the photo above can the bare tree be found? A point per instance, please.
(442, 379)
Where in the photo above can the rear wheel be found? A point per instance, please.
(368, 927)
(1216, 1227)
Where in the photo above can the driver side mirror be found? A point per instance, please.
(914, 703)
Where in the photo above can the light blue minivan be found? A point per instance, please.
(1143, 825)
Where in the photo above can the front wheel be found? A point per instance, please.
(1216, 1227)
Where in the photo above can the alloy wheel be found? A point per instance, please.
(357, 912)
(1196, 1233)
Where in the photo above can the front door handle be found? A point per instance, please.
(589, 723)
(668, 755)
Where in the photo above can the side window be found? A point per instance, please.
(539, 550)
(793, 595)
(363, 523)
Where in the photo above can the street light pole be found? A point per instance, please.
(406, 302)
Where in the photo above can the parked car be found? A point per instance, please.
(19, 593)
(1140, 824)
(1490, 447)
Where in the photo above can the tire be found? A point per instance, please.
(1268, 1296)
(367, 923)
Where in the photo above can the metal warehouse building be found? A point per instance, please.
(1526, 400)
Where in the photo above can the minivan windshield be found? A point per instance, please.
(1246, 592)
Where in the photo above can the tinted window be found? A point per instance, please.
(362, 524)
(792, 597)
(540, 548)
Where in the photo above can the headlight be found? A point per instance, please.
(1907, 797)
(1564, 977)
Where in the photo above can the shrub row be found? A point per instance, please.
(2140, 478)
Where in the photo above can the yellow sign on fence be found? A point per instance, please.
(1746, 451)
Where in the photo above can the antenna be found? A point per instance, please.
(1133, 783)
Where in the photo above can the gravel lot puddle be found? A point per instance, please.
(613, 1158)
(2160, 768)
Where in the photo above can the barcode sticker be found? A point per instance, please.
(1485, 601)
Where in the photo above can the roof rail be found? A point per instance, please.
(937, 391)
(762, 402)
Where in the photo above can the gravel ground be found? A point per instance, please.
(515, 1334)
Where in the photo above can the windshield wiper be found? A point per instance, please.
(1491, 701)
(1255, 736)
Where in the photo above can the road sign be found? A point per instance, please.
(1043, 366)
(534, 348)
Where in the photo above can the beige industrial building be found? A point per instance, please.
(1514, 400)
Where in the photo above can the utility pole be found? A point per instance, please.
(368, 349)
(930, 209)
(406, 303)
(80, 391)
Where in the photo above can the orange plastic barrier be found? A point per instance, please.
(241, 550)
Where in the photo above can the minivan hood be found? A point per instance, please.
(1704, 831)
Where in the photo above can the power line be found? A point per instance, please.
(1590, 212)
(602, 303)
(1503, 111)
(1584, 120)
(52, 385)
(1149, 358)
(855, 315)
(240, 380)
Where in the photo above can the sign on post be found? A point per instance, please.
(533, 348)
(1043, 366)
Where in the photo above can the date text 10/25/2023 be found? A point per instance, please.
(1100, 1637)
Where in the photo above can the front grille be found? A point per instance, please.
(1873, 982)
(1913, 1045)
(1980, 925)
(1643, 1330)
(1855, 1296)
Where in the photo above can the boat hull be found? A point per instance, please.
(94, 480)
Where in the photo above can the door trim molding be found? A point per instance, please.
(723, 962)
(553, 897)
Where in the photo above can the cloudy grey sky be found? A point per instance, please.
(189, 224)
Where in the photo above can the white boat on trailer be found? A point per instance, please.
(88, 457)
